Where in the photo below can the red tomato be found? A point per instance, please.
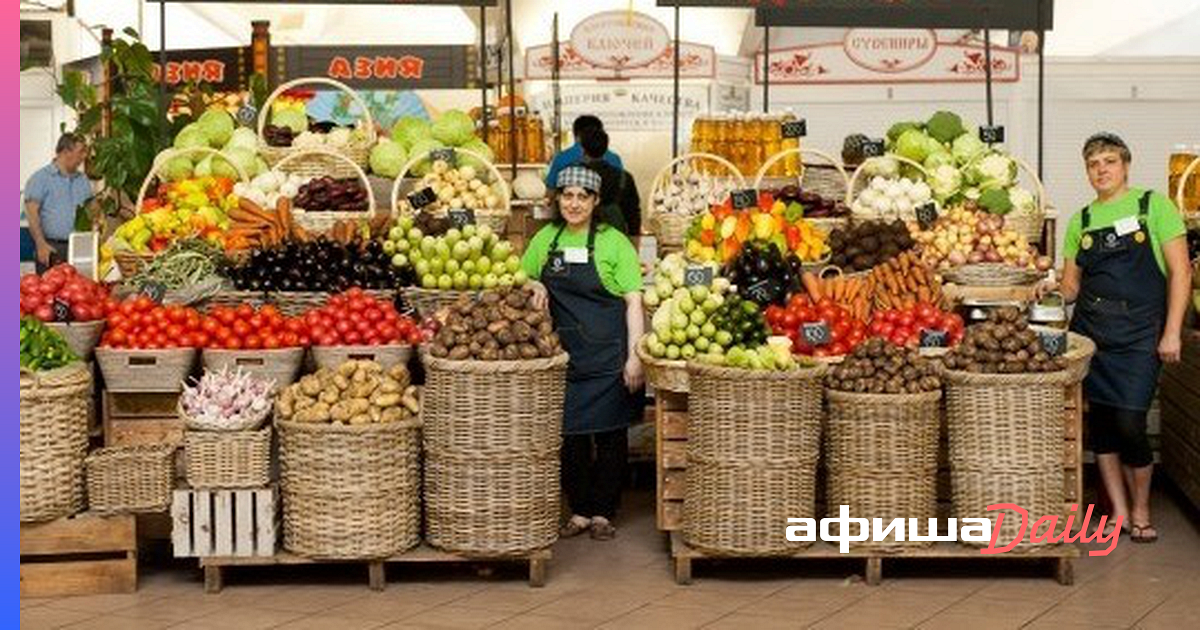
(253, 342)
(773, 314)
(290, 339)
(210, 325)
(352, 338)
(304, 341)
(270, 311)
(823, 351)
(232, 343)
(327, 340)
(840, 331)
(373, 314)
(837, 348)
(241, 328)
(117, 337)
(244, 311)
(905, 320)
(791, 320)
(899, 339)
(952, 322)
(387, 332)
(256, 322)
(271, 342)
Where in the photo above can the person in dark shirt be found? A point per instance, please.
(620, 204)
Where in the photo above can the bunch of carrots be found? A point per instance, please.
(254, 227)
(851, 293)
(897, 284)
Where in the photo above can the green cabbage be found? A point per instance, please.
(484, 151)
(221, 167)
(177, 168)
(966, 148)
(243, 137)
(945, 127)
(294, 119)
(204, 168)
(190, 137)
(217, 125)
(996, 201)
(241, 156)
(410, 129)
(453, 128)
(913, 144)
(899, 128)
(387, 158)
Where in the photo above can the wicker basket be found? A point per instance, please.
(131, 478)
(669, 228)
(387, 356)
(492, 440)
(228, 459)
(1193, 170)
(430, 301)
(1027, 223)
(289, 303)
(1006, 445)
(753, 446)
(663, 374)
(860, 179)
(54, 441)
(881, 457)
(992, 275)
(358, 152)
(145, 370)
(1078, 356)
(325, 161)
(82, 337)
(670, 231)
(826, 177)
(280, 366)
(496, 219)
(350, 491)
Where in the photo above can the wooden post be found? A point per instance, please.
(106, 74)
(260, 46)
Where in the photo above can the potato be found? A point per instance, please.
(319, 412)
(385, 400)
(341, 382)
(330, 395)
(392, 414)
(363, 389)
(360, 419)
(310, 385)
(438, 350)
(376, 414)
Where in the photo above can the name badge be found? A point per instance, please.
(576, 255)
(555, 265)
(1128, 225)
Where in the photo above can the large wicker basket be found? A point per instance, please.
(992, 275)
(753, 445)
(861, 179)
(826, 176)
(881, 458)
(492, 440)
(496, 219)
(357, 152)
(281, 366)
(131, 478)
(228, 459)
(430, 301)
(1006, 445)
(325, 161)
(145, 370)
(670, 228)
(387, 356)
(663, 374)
(350, 491)
(289, 303)
(54, 441)
(82, 337)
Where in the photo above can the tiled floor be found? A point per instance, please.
(626, 583)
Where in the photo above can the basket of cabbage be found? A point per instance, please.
(283, 131)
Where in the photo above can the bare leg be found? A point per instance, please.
(1140, 495)
(1114, 484)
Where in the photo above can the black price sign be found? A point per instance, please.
(247, 115)
(993, 134)
(927, 215)
(62, 311)
(743, 199)
(461, 217)
(872, 148)
(762, 291)
(447, 155)
(816, 333)
(794, 128)
(697, 275)
(934, 338)
(422, 198)
(154, 290)
(1054, 343)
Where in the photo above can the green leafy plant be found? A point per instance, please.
(121, 158)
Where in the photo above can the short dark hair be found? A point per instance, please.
(585, 123)
(67, 142)
(1107, 141)
(594, 143)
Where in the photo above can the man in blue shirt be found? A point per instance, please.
(574, 154)
(52, 195)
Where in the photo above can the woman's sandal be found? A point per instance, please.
(603, 530)
(574, 527)
(1138, 533)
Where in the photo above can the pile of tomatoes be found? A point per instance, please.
(247, 328)
(845, 332)
(79, 298)
(903, 327)
(354, 318)
(140, 323)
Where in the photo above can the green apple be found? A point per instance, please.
(490, 281)
(679, 336)
(707, 329)
(688, 351)
(513, 263)
(686, 305)
(452, 236)
(699, 292)
(415, 234)
(475, 282)
(399, 260)
(442, 250)
(520, 277)
(422, 268)
(501, 251)
(429, 281)
(484, 232)
(397, 233)
(698, 317)
(451, 266)
(693, 332)
(723, 338)
(469, 266)
(429, 247)
(673, 352)
(405, 222)
(469, 232)
(483, 265)
(702, 344)
(476, 245)
(680, 321)
(437, 266)
(506, 280)
(402, 246)
(389, 248)
(445, 282)
(461, 280)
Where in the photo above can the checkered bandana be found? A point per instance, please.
(584, 178)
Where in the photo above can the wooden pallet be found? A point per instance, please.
(225, 523)
(1062, 556)
(140, 418)
(214, 567)
(80, 555)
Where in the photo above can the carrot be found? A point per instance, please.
(283, 211)
(812, 285)
(250, 210)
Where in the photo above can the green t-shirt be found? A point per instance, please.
(1164, 222)
(616, 259)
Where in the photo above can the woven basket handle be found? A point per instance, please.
(362, 176)
(862, 168)
(265, 113)
(169, 154)
(497, 178)
(766, 167)
(1191, 169)
(664, 174)
(824, 273)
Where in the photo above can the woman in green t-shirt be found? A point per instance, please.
(590, 275)
(1126, 269)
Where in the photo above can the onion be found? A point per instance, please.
(976, 257)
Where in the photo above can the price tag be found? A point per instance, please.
(927, 215)
(1054, 342)
(794, 128)
(697, 275)
(816, 333)
(447, 155)
(460, 217)
(992, 135)
(743, 199)
(934, 338)
(154, 290)
(62, 312)
(762, 291)
(872, 148)
(422, 198)
(247, 115)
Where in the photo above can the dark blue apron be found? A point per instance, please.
(591, 323)
(1122, 306)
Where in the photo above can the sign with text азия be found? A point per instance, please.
(381, 67)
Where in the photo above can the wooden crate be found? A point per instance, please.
(80, 555)
(225, 523)
(140, 418)
(670, 424)
(1180, 400)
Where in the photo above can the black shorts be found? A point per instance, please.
(1122, 431)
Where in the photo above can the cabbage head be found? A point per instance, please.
(409, 130)
(177, 168)
(477, 146)
(294, 119)
(387, 158)
(243, 137)
(217, 125)
(453, 128)
(241, 156)
(422, 148)
(190, 137)
(966, 148)
(913, 144)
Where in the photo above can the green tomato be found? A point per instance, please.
(723, 338)
(490, 281)
(708, 330)
(687, 352)
(680, 321)
(710, 305)
(657, 350)
(679, 336)
(699, 292)
(686, 305)
(702, 344)
(513, 263)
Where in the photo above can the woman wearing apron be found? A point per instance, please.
(1126, 270)
(590, 275)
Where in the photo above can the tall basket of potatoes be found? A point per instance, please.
(349, 452)
(495, 378)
